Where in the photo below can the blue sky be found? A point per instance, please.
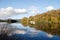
(30, 6)
(28, 3)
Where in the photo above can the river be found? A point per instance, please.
(26, 33)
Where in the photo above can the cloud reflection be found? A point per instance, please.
(50, 36)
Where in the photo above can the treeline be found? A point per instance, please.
(47, 21)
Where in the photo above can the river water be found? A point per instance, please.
(26, 33)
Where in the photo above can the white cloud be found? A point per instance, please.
(9, 11)
(50, 8)
(17, 32)
(20, 10)
(20, 32)
(34, 32)
(34, 9)
(49, 35)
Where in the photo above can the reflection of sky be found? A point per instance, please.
(20, 26)
(28, 33)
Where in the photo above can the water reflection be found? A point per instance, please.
(33, 34)
(26, 33)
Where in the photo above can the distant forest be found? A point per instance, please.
(48, 21)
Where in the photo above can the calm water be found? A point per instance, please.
(27, 33)
(33, 34)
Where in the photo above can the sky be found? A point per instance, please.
(17, 9)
